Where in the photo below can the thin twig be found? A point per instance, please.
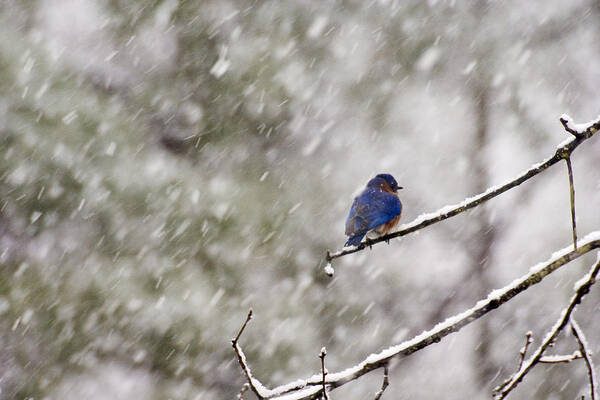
(385, 383)
(453, 324)
(255, 385)
(563, 151)
(561, 358)
(248, 318)
(582, 289)
(572, 191)
(522, 354)
(244, 389)
(587, 356)
(523, 350)
(322, 355)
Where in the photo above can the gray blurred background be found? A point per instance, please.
(166, 165)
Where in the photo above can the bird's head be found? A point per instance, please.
(386, 182)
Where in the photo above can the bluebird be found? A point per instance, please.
(377, 209)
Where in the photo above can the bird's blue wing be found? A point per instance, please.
(371, 209)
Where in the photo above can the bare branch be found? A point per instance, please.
(305, 388)
(522, 353)
(322, 355)
(237, 337)
(555, 359)
(523, 350)
(564, 150)
(587, 356)
(572, 192)
(254, 383)
(583, 287)
(385, 383)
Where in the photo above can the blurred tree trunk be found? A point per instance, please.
(481, 243)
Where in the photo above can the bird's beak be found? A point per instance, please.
(399, 187)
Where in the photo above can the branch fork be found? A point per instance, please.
(312, 387)
(582, 288)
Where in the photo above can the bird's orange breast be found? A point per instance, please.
(390, 225)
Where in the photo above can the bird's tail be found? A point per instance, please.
(354, 240)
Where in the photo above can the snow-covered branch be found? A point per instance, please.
(557, 359)
(312, 387)
(581, 132)
(585, 130)
(254, 383)
(243, 390)
(584, 349)
(582, 288)
(553, 359)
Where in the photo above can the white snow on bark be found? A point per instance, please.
(398, 349)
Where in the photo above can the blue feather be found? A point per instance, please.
(371, 208)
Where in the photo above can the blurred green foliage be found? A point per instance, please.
(149, 198)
